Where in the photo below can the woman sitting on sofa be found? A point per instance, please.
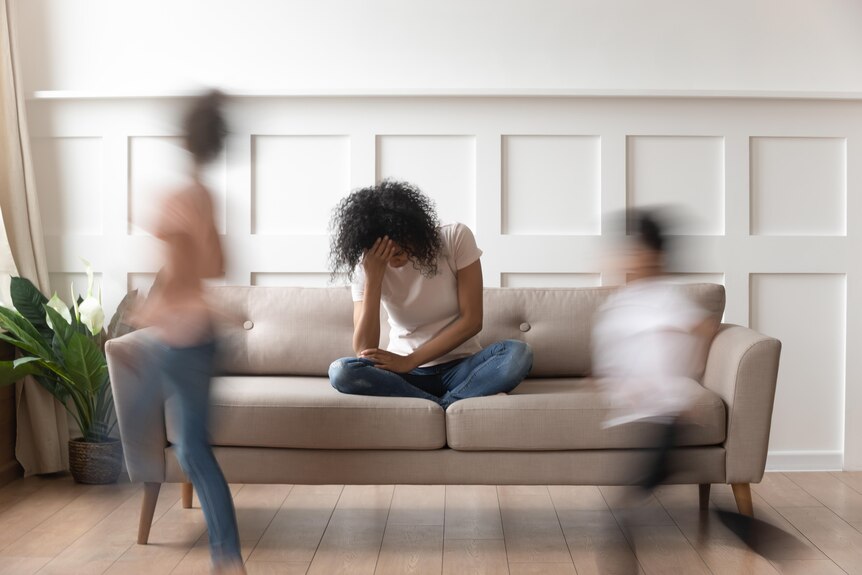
(428, 277)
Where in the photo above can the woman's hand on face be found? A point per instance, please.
(377, 257)
(388, 360)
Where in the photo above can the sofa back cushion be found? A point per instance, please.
(283, 330)
(557, 322)
(300, 331)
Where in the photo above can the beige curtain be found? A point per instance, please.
(42, 429)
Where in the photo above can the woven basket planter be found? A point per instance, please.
(96, 463)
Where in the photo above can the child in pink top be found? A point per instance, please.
(181, 321)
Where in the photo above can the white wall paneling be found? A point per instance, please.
(300, 279)
(799, 186)
(69, 177)
(296, 182)
(682, 171)
(141, 282)
(443, 166)
(540, 179)
(159, 164)
(552, 185)
(808, 313)
(516, 280)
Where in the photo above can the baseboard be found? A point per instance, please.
(10, 472)
(805, 461)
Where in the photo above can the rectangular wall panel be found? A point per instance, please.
(141, 282)
(69, 183)
(297, 181)
(161, 165)
(807, 312)
(799, 186)
(552, 185)
(295, 279)
(523, 280)
(682, 172)
(443, 167)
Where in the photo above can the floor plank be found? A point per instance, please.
(851, 478)
(779, 491)
(532, 530)
(256, 505)
(411, 550)
(102, 545)
(596, 542)
(352, 540)
(298, 526)
(53, 526)
(834, 536)
(808, 567)
(55, 534)
(664, 549)
(835, 494)
(22, 517)
(632, 507)
(721, 548)
(417, 505)
(542, 569)
(597, 549)
(472, 512)
(172, 536)
(474, 557)
(275, 568)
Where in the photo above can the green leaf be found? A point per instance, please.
(85, 363)
(21, 333)
(30, 302)
(62, 330)
(10, 372)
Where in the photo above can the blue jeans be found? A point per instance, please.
(497, 368)
(186, 373)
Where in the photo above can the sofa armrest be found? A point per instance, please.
(140, 406)
(742, 367)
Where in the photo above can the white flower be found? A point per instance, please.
(90, 311)
(92, 315)
(60, 307)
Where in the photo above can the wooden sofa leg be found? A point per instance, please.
(704, 495)
(188, 491)
(742, 494)
(148, 509)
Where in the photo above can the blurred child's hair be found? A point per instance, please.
(205, 128)
(647, 227)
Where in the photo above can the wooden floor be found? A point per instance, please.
(52, 525)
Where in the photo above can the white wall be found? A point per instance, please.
(773, 184)
(764, 45)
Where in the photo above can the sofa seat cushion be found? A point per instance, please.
(307, 413)
(566, 413)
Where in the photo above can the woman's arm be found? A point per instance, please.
(366, 313)
(468, 324)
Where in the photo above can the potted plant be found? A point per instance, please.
(62, 347)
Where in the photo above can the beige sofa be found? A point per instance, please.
(276, 419)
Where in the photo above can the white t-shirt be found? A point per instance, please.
(644, 350)
(420, 307)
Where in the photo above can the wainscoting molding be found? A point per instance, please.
(769, 188)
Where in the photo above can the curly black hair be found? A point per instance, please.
(204, 127)
(391, 208)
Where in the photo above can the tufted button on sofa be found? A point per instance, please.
(276, 419)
